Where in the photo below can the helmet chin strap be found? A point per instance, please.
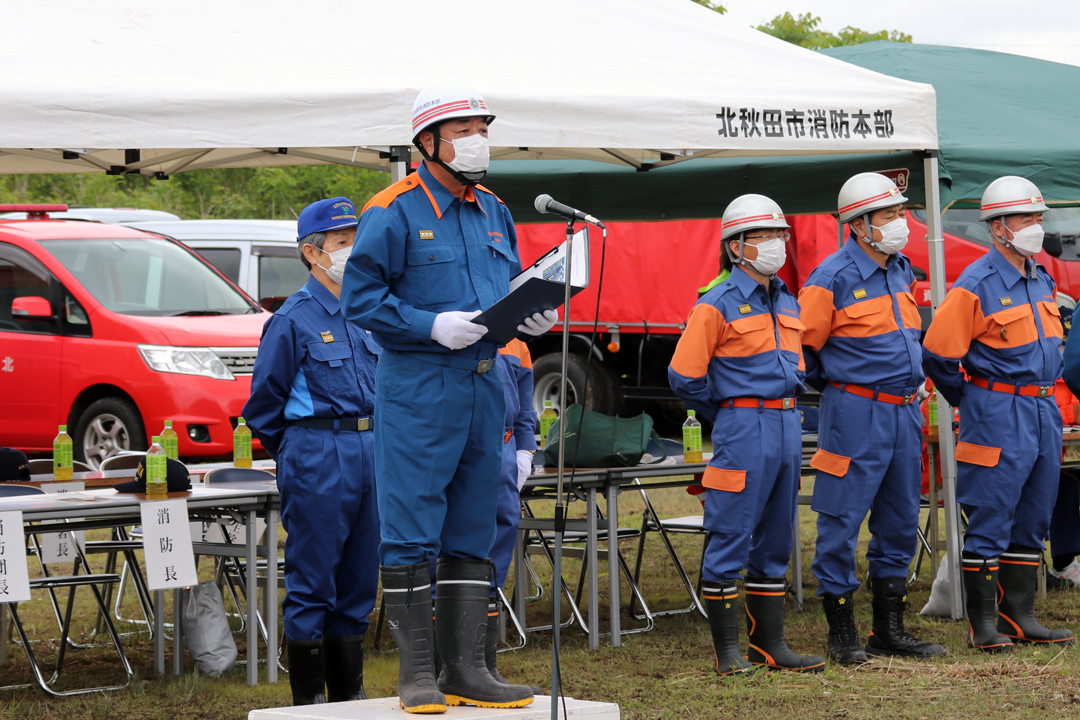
(471, 178)
(870, 241)
(741, 260)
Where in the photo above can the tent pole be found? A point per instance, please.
(399, 162)
(946, 440)
(839, 234)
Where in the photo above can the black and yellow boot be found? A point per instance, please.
(344, 667)
(461, 621)
(306, 671)
(491, 646)
(1017, 581)
(407, 594)
(765, 621)
(844, 646)
(980, 586)
(722, 604)
(888, 636)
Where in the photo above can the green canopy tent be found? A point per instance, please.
(998, 114)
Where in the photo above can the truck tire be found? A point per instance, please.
(109, 426)
(602, 395)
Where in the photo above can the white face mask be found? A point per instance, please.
(1026, 241)
(771, 255)
(338, 258)
(471, 153)
(894, 236)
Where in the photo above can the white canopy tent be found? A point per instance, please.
(204, 83)
(137, 86)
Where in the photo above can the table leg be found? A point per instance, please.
(271, 595)
(519, 578)
(252, 603)
(613, 564)
(3, 633)
(796, 559)
(933, 540)
(178, 632)
(592, 559)
(159, 632)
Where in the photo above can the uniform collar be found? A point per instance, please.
(439, 196)
(324, 296)
(1009, 274)
(866, 264)
(746, 284)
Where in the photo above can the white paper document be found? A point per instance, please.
(552, 266)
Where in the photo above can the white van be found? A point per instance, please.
(258, 255)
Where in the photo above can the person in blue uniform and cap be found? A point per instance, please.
(432, 251)
(312, 405)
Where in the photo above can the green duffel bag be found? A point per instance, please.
(604, 441)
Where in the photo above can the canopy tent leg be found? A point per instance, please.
(947, 440)
(399, 162)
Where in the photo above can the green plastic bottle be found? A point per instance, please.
(691, 438)
(157, 484)
(241, 444)
(63, 455)
(170, 442)
(547, 419)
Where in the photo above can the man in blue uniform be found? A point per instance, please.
(739, 364)
(432, 251)
(1000, 319)
(312, 402)
(862, 351)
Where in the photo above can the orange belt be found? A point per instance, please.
(509, 434)
(781, 404)
(1028, 390)
(874, 395)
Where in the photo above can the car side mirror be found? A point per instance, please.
(31, 308)
(1052, 244)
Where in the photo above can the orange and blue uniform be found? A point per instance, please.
(739, 363)
(1004, 327)
(862, 351)
(420, 251)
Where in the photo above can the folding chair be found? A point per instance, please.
(233, 570)
(45, 466)
(72, 582)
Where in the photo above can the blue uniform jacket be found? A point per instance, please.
(311, 363)
(1002, 325)
(421, 251)
(740, 341)
(862, 322)
(515, 370)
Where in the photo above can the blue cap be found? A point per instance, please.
(325, 215)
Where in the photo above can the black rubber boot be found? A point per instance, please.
(344, 667)
(306, 673)
(888, 636)
(765, 621)
(844, 646)
(722, 604)
(491, 646)
(407, 593)
(980, 586)
(461, 609)
(1017, 581)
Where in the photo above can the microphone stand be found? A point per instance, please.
(560, 505)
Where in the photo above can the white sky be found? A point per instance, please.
(1045, 29)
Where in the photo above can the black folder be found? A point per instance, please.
(534, 294)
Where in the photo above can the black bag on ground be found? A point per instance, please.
(603, 442)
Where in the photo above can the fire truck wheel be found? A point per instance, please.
(602, 395)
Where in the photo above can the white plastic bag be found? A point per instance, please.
(206, 629)
(940, 602)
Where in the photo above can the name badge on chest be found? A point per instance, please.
(327, 336)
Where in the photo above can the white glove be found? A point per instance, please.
(453, 329)
(539, 324)
(525, 465)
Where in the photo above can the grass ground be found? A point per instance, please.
(660, 675)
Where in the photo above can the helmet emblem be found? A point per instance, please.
(1034, 200)
(474, 103)
(775, 216)
(893, 191)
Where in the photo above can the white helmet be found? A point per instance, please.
(866, 192)
(446, 100)
(1011, 195)
(751, 212)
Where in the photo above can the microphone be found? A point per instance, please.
(545, 204)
